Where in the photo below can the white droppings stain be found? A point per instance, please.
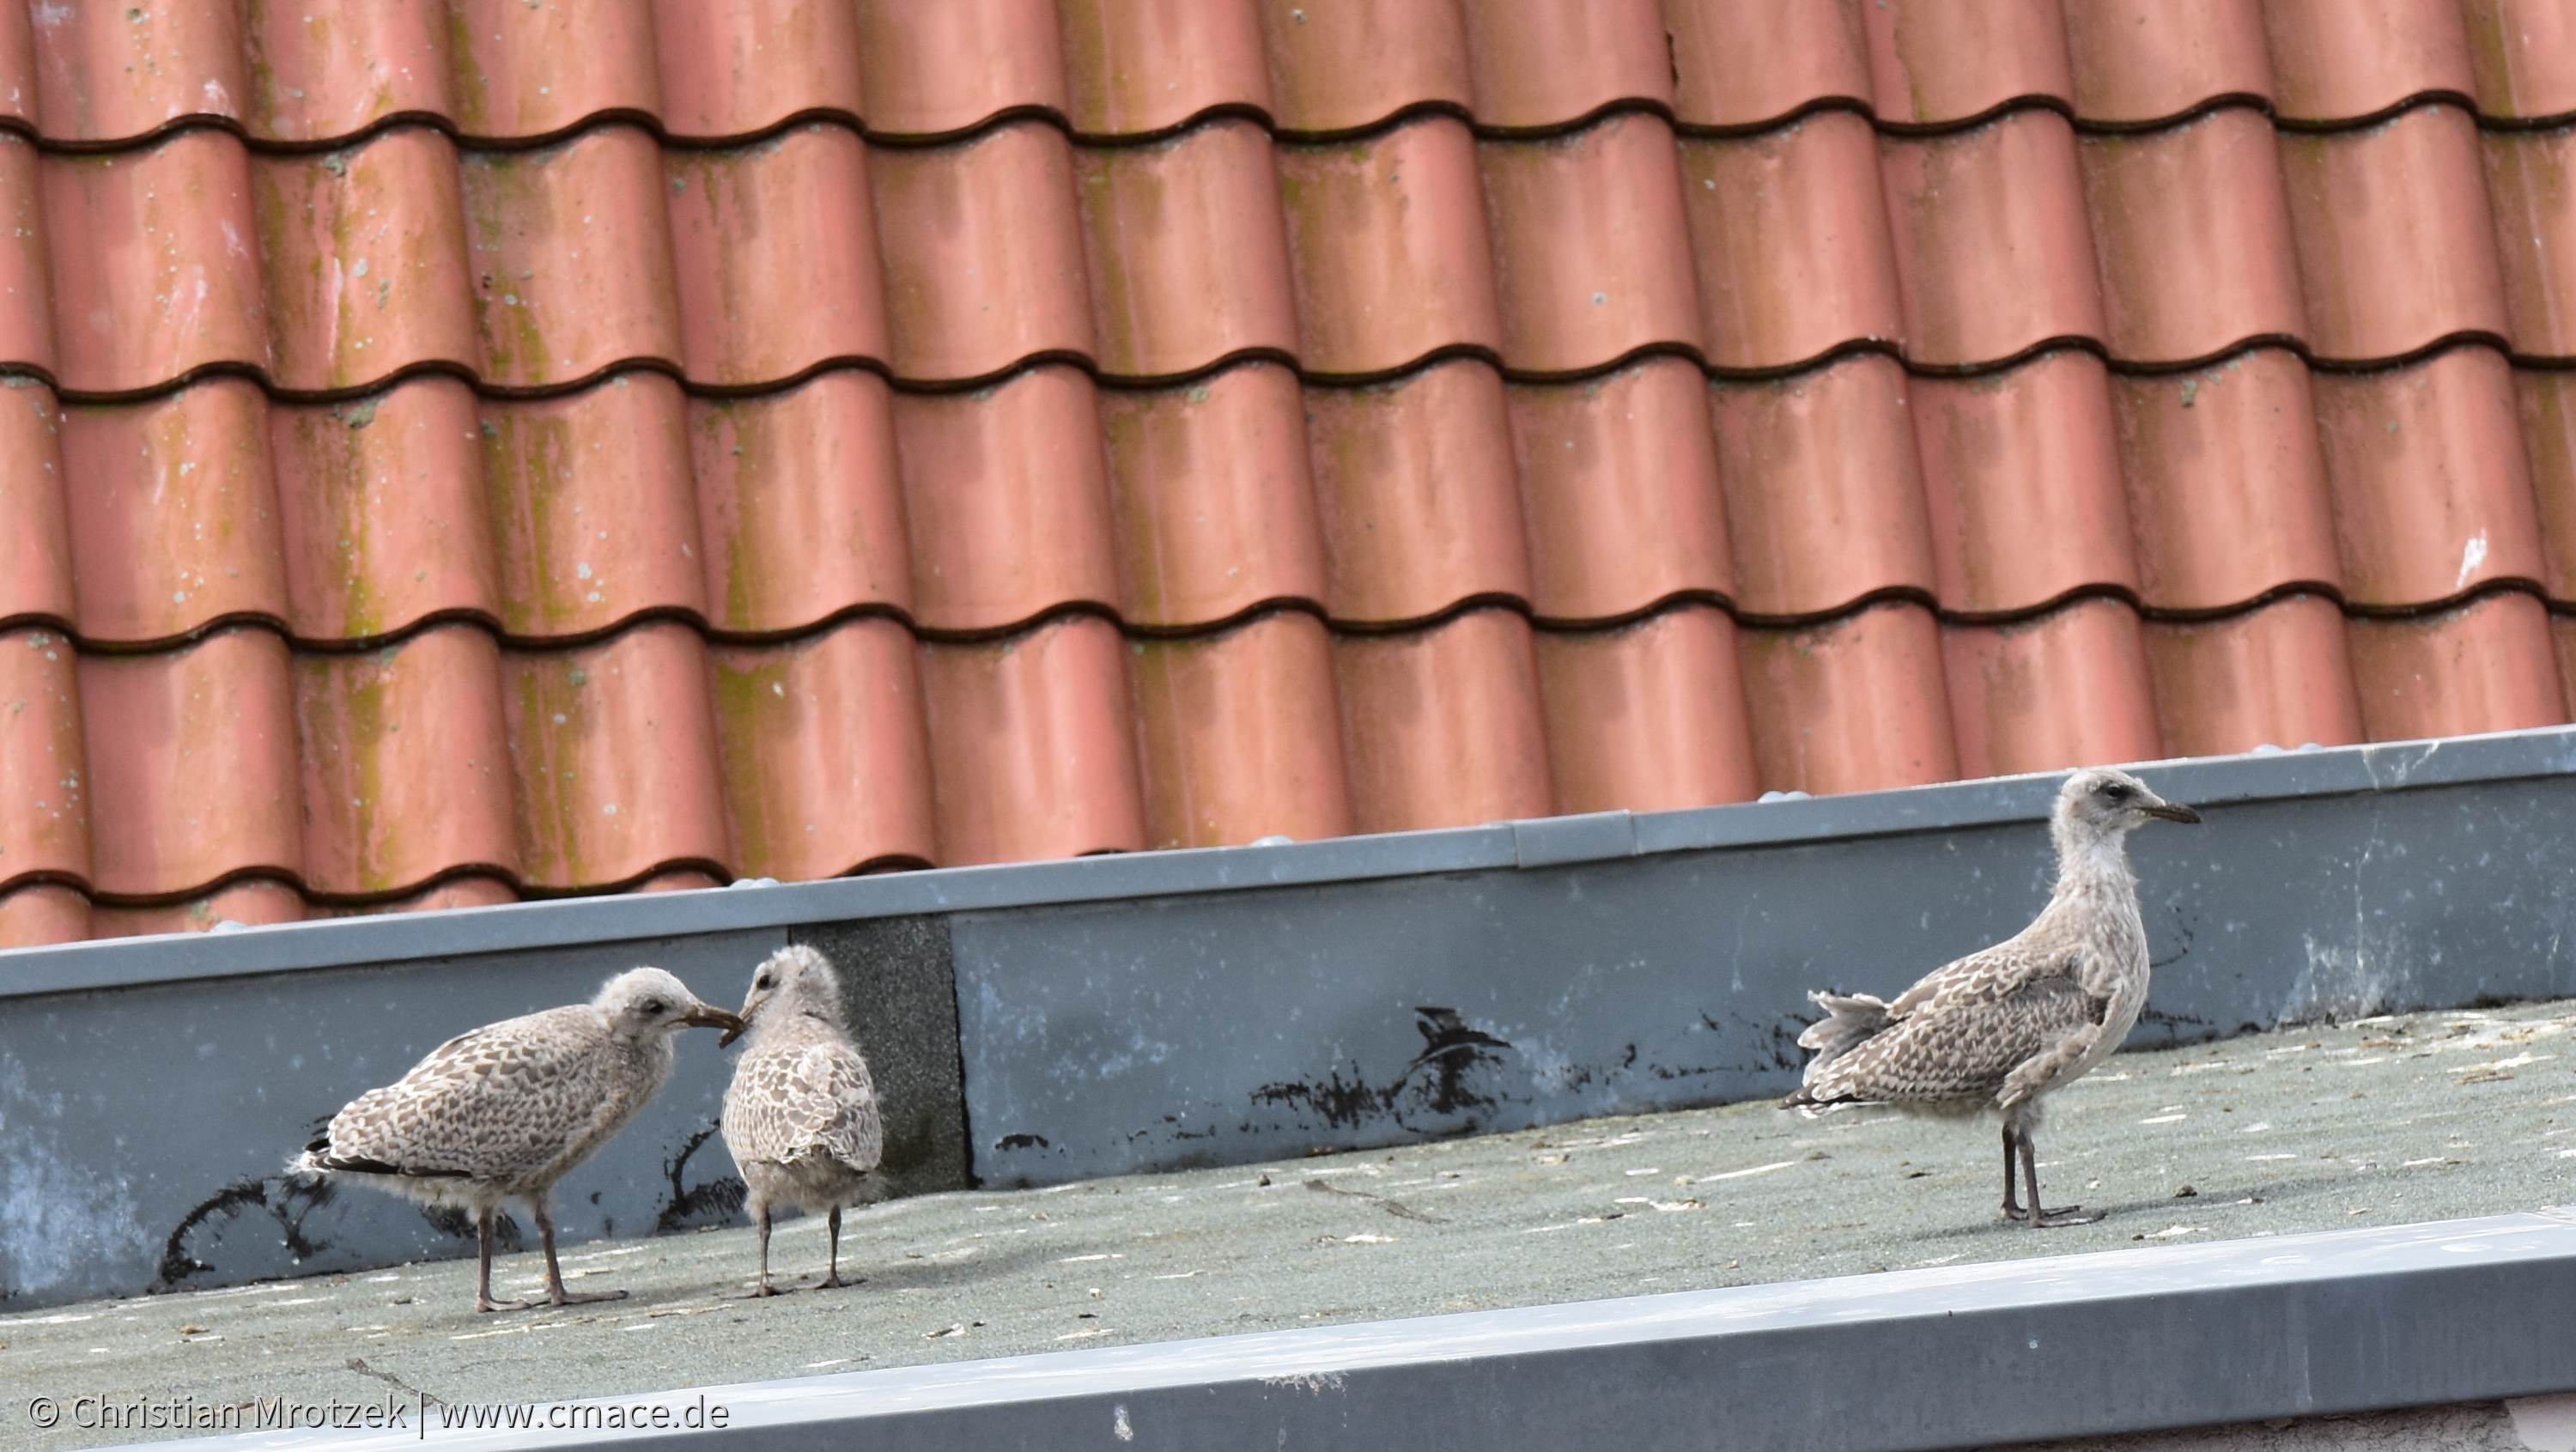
(2472, 555)
(1118, 1423)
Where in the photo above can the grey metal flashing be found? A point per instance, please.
(1531, 844)
(2066, 1346)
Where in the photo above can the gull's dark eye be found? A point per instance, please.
(766, 982)
(651, 1005)
(2116, 792)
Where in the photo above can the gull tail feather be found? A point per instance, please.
(1850, 1021)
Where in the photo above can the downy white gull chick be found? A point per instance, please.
(801, 1116)
(502, 1112)
(2000, 1028)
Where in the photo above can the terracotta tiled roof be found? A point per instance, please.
(461, 449)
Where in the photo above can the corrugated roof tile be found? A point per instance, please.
(2021, 480)
(1939, 61)
(1853, 704)
(593, 511)
(26, 273)
(1388, 243)
(1213, 498)
(115, 72)
(2531, 182)
(1342, 67)
(613, 751)
(1992, 246)
(2548, 407)
(1824, 496)
(154, 274)
(18, 66)
(1188, 263)
(1238, 735)
(364, 253)
(1592, 256)
(35, 536)
(571, 251)
(2227, 488)
(1789, 229)
(384, 520)
(2335, 60)
(2394, 241)
(192, 765)
(43, 913)
(2192, 232)
(929, 70)
(738, 67)
(406, 763)
(2137, 61)
(174, 513)
(320, 73)
(2066, 689)
(526, 70)
(1442, 727)
(1007, 498)
(983, 253)
(1647, 717)
(800, 503)
(2518, 53)
(826, 769)
(256, 902)
(1415, 492)
(2488, 665)
(2432, 491)
(1738, 63)
(1032, 745)
(775, 251)
(1139, 66)
(44, 775)
(2277, 675)
(1619, 494)
(1542, 63)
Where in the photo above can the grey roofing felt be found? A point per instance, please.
(2369, 1126)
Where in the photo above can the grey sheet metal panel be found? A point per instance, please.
(2064, 1346)
(1209, 1029)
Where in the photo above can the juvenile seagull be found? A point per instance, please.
(501, 1112)
(1998, 1029)
(801, 1115)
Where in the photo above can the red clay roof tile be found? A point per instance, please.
(174, 515)
(192, 765)
(593, 513)
(1387, 241)
(2562, 634)
(116, 72)
(253, 902)
(1647, 717)
(2548, 401)
(2334, 60)
(1853, 704)
(1188, 264)
(1442, 727)
(1414, 490)
(154, 275)
(613, 750)
(1824, 498)
(1032, 746)
(571, 252)
(26, 289)
(1789, 229)
(800, 504)
(320, 73)
(44, 787)
(1340, 67)
(2227, 490)
(43, 913)
(1938, 61)
(930, 70)
(1139, 66)
(983, 253)
(731, 68)
(2192, 233)
(362, 250)
(1007, 498)
(406, 764)
(2517, 55)
(1619, 495)
(1238, 735)
(18, 66)
(1212, 497)
(2277, 675)
(1738, 63)
(383, 516)
(2066, 689)
(2395, 247)
(2488, 665)
(35, 537)
(1544, 63)
(2530, 186)
(2432, 492)
(2021, 480)
(2137, 61)
(526, 71)
(774, 248)
(1992, 246)
(826, 769)
(1591, 254)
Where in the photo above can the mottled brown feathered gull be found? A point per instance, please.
(801, 1115)
(502, 1112)
(1999, 1029)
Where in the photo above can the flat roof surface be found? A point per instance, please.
(2385, 1121)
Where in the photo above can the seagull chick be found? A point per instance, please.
(1999, 1029)
(502, 1112)
(801, 1115)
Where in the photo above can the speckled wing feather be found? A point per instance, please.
(497, 1103)
(1963, 1038)
(796, 1100)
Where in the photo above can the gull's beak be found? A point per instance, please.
(2173, 812)
(707, 1015)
